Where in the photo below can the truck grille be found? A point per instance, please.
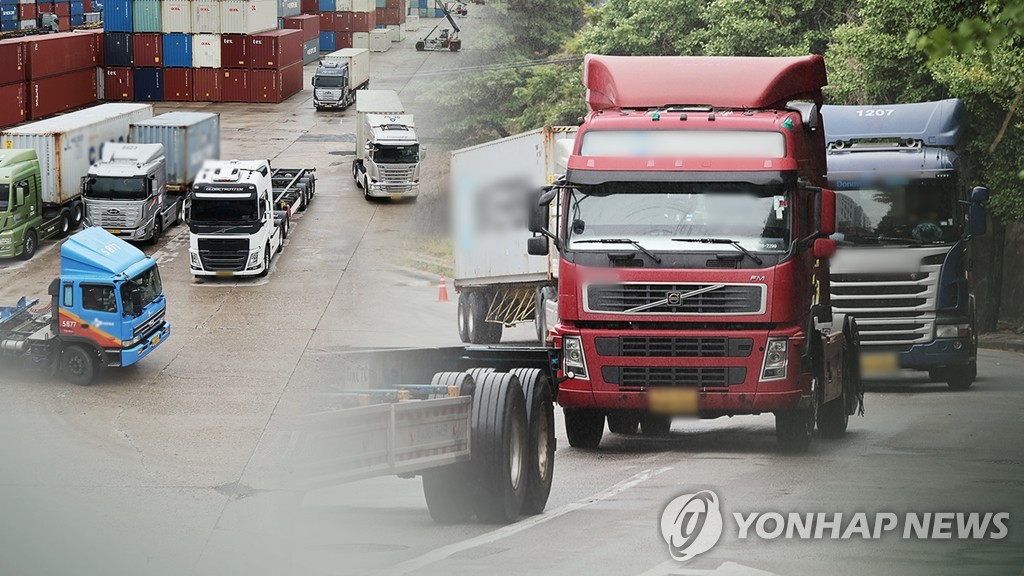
(149, 325)
(674, 376)
(665, 347)
(642, 298)
(892, 309)
(107, 216)
(223, 254)
(404, 174)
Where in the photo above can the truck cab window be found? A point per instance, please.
(5, 198)
(110, 188)
(99, 298)
(68, 298)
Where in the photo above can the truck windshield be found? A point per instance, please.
(898, 212)
(757, 217)
(225, 210)
(147, 285)
(397, 154)
(5, 197)
(328, 81)
(109, 188)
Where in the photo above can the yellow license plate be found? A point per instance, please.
(155, 340)
(877, 364)
(114, 232)
(396, 196)
(672, 400)
(224, 274)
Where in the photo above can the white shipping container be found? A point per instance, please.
(206, 51)
(26, 24)
(68, 145)
(361, 40)
(247, 16)
(343, 5)
(490, 184)
(412, 22)
(393, 32)
(364, 5)
(189, 139)
(358, 60)
(175, 16)
(379, 40)
(206, 18)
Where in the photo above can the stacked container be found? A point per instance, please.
(276, 61)
(309, 24)
(341, 20)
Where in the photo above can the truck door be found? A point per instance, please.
(99, 317)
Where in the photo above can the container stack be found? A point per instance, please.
(344, 23)
(309, 24)
(425, 9)
(22, 14)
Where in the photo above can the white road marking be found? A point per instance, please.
(495, 535)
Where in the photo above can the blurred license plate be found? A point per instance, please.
(673, 400)
(114, 232)
(224, 274)
(875, 364)
(396, 196)
(155, 340)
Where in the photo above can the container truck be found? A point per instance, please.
(693, 236)
(338, 77)
(498, 283)
(137, 190)
(904, 221)
(106, 309)
(239, 215)
(387, 163)
(43, 194)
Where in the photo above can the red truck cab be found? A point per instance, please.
(693, 236)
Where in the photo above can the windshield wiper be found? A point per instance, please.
(898, 239)
(734, 243)
(639, 247)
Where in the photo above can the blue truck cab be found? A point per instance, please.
(904, 217)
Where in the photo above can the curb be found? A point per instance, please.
(1002, 343)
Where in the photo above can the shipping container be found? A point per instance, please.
(62, 10)
(147, 50)
(286, 8)
(327, 5)
(273, 86)
(247, 16)
(206, 83)
(117, 49)
(343, 5)
(77, 9)
(146, 15)
(310, 51)
(310, 6)
(55, 54)
(206, 17)
(308, 23)
(342, 40)
(358, 22)
(234, 51)
(361, 40)
(175, 16)
(78, 20)
(178, 85)
(358, 61)
(177, 50)
(362, 6)
(189, 139)
(13, 62)
(118, 84)
(379, 41)
(275, 49)
(327, 41)
(234, 86)
(149, 84)
(412, 23)
(327, 21)
(27, 12)
(396, 33)
(117, 15)
(206, 51)
(15, 106)
(67, 145)
(99, 85)
(98, 41)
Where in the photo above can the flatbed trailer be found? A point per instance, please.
(294, 188)
(476, 423)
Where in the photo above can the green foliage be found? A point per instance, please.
(538, 28)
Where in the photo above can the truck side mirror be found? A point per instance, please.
(19, 195)
(827, 210)
(539, 209)
(977, 214)
(538, 246)
(979, 195)
(824, 248)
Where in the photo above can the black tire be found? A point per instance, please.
(77, 216)
(478, 373)
(584, 427)
(266, 263)
(795, 428)
(833, 416)
(936, 375)
(540, 417)
(455, 46)
(961, 377)
(499, 448)
(448, 493)
(476, 327)
(464, 381)
(179, 212)
(29, 245)
(655, 424)
(623, 422)
(420, 46)
(158, 230)
(64, 228)
(79, 366)
(463, 316)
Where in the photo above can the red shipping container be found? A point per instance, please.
(13, 62)
(178, 84)
(308, 23)
(98, 43)
(62, 9)
(206, 84)
(275, 86)
(310, 6)
(342, 22)
(327, 20)
(362, 22)
(391, 4)
(61, 93)
(27, 12)
(118, 84)
(14, 109)
(147, 50)
(388, 16)
(55, 54)
(234, 51)
(234, 86)
(342, 40)
(45, 8)
(274, 49)
(87, 5)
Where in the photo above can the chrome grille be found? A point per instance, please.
(149, 325)
(674, 376)
(706, 299)
(892, 308)
(397, 180)
(108, 216)
(666, 347)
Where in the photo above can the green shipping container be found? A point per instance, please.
(146, 15)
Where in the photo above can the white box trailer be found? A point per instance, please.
(358, 61)
(499, 284)
(373, 102)
(68, 145)
(189, 139)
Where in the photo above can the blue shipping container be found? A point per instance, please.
(9, 13)
(77, 20)
(8, 2)
(8, 25)
(177, 50)
(149, 84)
(77, 9)
(117, 16)
(327, 43)
(327, 5)
(117, 49)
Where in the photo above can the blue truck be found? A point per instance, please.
(905, 215)
(106, 309)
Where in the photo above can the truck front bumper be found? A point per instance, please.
(8, 247)
(934, 354)
(132, 355)
(392, 190)
(144, 232)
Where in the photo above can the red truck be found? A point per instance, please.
(693, 234)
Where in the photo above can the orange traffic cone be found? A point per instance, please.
(442, 291)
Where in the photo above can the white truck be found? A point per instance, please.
(387, 163)
(338, 77)
(498, 283)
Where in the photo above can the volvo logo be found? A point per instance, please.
(674, 298)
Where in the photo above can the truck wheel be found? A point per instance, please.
(464, 381)
(77, 215)
(794, 428)
(478, 373)
(499, 448)
(961, 377)
(477, 328)
(64, 228)
(655, 424)
(79, 366)
(463, 316)
(179, 212)
(623, 422)
(420, 46)
(158, 230)
(584, 427)
(266, 263)
(833, 416)
(454, 46)
(540, 417)
(29, 245)
(448, 493)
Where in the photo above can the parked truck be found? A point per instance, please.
(43, 193)
(239, 215)
(904, 221)
(694, 251)
(499, 284)
(387, 163)
(106, 309)
(338, 77)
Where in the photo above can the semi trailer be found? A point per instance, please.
(694, 243)
(106, 309)
(338, 77)
(387, 163)
(904, 222)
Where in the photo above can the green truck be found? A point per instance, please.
(24, 222)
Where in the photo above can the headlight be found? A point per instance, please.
(572, 357)
(5, 241)
(194, 258)
(254, 260)
(776, 358)
(952, 330)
